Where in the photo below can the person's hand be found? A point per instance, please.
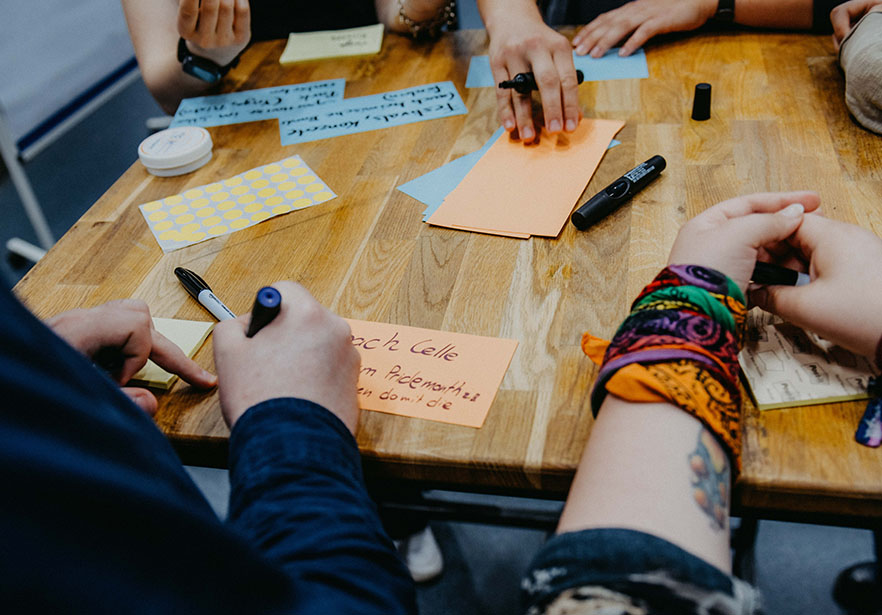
(121, 334)
(521, 43)
(215, 29)
(846, 15)
(305, 352)
(640, 20)
(731, 236)
(841, 303)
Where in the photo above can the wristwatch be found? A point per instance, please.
(199, 67)
(725, 11)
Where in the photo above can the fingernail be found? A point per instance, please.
(571, 125)
(554, 126)
(595, 53)
(581, 50)
(527, 134)
(623, 52)
(509, 125)
(794, 210)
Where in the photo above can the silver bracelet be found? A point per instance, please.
(430, 28)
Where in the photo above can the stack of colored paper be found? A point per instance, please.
(519, 190)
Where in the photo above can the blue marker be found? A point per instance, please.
(267, 304)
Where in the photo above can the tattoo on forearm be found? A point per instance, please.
(710, 479)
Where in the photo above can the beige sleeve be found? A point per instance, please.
(861, 58)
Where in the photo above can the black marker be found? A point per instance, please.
(524, 83)
(767, 273)
(617, 193)
(267, 304)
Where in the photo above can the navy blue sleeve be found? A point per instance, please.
(298, 495)
(97, 513)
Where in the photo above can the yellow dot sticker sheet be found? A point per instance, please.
(235, 203)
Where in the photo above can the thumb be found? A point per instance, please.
(143, 398)
(766, 229)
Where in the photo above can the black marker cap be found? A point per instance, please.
(701, 103)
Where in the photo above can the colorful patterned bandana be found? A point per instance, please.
(679, 345)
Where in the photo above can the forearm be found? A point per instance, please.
(496, 13)
(787, 14)
(639, 472)
(298, 496)
(155, 39)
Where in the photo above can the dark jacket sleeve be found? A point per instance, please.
(298, 495)
(821, 15)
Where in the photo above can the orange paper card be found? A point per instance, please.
(428, 374)
(520, 190)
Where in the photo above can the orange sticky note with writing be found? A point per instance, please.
(520, 190)
(428, 374)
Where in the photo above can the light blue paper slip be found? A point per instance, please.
(434, 186)
(365, 113)
(254, 105)
(610, 66)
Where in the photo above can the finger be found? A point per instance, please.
(224, 28)
(841, 22)
(569, 87)
(242, 21)
(143, 398)
(642, 34)
(761, 230)
(167, 355)
(549, 84)
(188, 18)
(208, 13)
(504, 109)
(587, 37)
(608, 39)
(766, 202)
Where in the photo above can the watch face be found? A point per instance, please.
(192, 66)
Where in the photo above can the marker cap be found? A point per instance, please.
(701, 102)
(175, 151)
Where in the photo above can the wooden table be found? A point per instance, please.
(778, 123)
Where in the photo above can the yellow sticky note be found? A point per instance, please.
(186, 334)
(428, 374)
(301, 46)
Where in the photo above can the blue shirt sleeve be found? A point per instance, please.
(298, 495)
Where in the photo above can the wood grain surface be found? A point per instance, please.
(778, 123)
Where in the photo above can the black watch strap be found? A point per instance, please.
(725, 11)
(199, 67)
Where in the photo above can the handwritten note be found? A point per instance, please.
(332, 44)
(787, 366)
(606, 68)
(365, 113)
(233, 204)
(434, 375)
(255, 105)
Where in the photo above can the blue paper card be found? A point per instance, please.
(254, 105)
(432, 188)
(366, 113)
(610, 66)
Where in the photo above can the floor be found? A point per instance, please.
(796, 563)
